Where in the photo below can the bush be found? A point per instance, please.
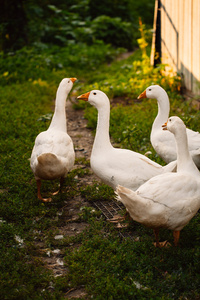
(114, 31)
(110, 8)
(35, 63)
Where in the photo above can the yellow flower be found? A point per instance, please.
(5, 74)
(40, 82)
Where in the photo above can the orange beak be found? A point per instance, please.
(84, 96)
(142, 95)
(73, 79)
(164, 126)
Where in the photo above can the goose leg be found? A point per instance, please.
(156, 232)
(160, 244)
(176, 235)
(39, 193)
(62, 179)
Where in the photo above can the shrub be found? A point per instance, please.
(113, 31)
(34, 63)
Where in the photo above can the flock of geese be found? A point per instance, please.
(154, 195)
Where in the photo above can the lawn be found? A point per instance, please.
(97, 259)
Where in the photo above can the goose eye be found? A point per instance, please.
(94, 93)
(149, 89)
(68, 81)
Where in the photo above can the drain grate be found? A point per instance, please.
(111, 210)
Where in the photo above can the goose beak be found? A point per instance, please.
(142, 95)
(84, 96)
(164, 126)
(73, 79)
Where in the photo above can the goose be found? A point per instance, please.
(163, 141)
(168, 200)
(113, 165)
(53, 153)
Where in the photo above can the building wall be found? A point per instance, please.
(180, 39)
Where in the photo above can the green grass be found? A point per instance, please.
(111, 268)
(98, 259)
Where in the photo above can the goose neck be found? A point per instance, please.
(163, 109)
(59, 116)
(184, 160)
(102, 138)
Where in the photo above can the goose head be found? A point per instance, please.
(96, 98)
(152, 92)
(174, 124)
(66, 84)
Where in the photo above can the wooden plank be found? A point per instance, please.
(181, 36)
(176, 24)
(169, 35)
(173, 33)
(180, 39)
(196, 47)
(165, 34)
(154, 34)
(187, 44)
(168, 5)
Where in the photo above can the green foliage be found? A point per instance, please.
(143, 9)
(114, 31)
(130, 77)
(63, 22)
(44, 63)
(110, 8)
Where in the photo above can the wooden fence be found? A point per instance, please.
(179, 36)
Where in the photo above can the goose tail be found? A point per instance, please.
(141, 210)
(49, 167)
(47, 159)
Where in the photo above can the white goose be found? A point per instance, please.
(53, 153)
(169, 200)
(163, 141)
(112, 165)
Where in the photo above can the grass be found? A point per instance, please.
(115, 269)
(97, 259)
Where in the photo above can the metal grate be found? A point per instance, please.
(112, 209)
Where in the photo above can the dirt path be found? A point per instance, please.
(77, 129)
(83, 140)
